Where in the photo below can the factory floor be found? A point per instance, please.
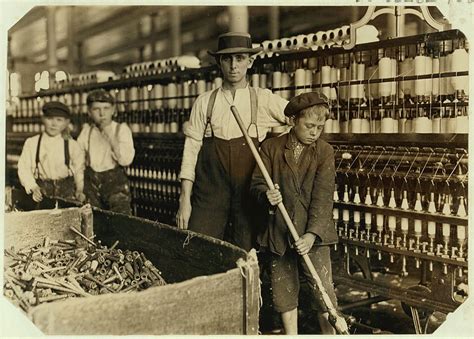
(385, 317)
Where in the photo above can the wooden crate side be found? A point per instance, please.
(23, 229)
(252, 294)
(180, 255)
(203, 305)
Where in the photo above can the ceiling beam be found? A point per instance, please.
(33, 15)
(115, 20)
(190, 22)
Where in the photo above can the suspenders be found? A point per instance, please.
(67, 157)
(253, 109)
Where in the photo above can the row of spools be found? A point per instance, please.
(135, 98)
(83, 79)
(314, 41)
(161, 66)
(328, 78)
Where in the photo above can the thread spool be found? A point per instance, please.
(356, 125)
(263, 80)
(365, 126)
(386, 125)
(145, 96)
(462, 124)
(336, 125)
(436, 125)
(451, 125)
(300, 41)
(157, 95)
(443, 82)
(393, 84)
(423, 125)
(385, 71)
(343, 34)
(449, 68)
(428, 82)
(314, 41)
(353, 89)
(460, 63)
(407, 68)
(300, 77)
(200, 86)
(254, 80)
(186, 93)
(276, 81)
(267, 45)
(83, 102)
(328, 124)
(132, 97)
(435, 82)
(360, 76)
(312, 63)
(420, 85)
(308, 79)
(326, 79)
(371, 88)
(343, 90)
(334, 79)
(285, 82)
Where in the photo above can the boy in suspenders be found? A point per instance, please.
(52, 163)
(217, 163)
(109, 148)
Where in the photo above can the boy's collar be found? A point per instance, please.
(293, 139)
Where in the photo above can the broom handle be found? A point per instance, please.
(327, 301)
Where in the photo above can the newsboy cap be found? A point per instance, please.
(234, 42)
(100, 95)
(303, 101)
(56, 109)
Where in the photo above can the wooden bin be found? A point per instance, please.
(213, 286)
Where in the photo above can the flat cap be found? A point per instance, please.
(100, 95)
(56, 109)
(303, 101)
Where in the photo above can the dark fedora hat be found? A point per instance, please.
(234, 42)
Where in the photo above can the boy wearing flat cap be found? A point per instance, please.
(217, 163)
(52, 163)
(108, 146)
(303, 166)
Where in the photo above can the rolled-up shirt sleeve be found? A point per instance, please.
(26, 166)
(275, 107)
(194, 133)
(77, 158)
(127, 150)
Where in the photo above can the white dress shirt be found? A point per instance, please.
(101, 156)
(51, 160)
(269, 114)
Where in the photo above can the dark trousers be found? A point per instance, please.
(221, 204)
(108, 190)
(62, 188)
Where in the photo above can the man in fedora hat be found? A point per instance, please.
(217, 163)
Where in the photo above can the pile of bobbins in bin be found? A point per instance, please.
(61, 269)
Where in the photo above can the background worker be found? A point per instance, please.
(217, 163)
(52, 163)
(108, 146)
(303, 166)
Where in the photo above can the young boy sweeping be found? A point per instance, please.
(303, 166)
(52, 163)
